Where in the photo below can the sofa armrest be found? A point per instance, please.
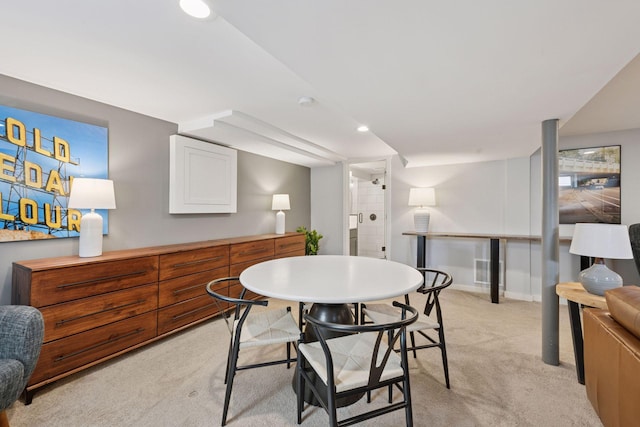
(624, 306)
(21, 334)
(612, 369)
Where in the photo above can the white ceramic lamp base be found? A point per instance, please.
(90, 235)
(280, 222)
(421, 220)
(598, 278)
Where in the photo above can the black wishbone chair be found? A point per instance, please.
(355, 363)
(267, 327)
(434, 282)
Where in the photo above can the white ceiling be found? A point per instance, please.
(436, 81)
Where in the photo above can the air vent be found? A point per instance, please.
(482, 273)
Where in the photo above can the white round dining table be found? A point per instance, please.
(331, 283)
(331, 279)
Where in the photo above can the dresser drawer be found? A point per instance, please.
(186, 287)
(78, 316)
(185, 312)
(236, 288)
(195, 261)
(290, 246)
(71, 283)
(236, 269)
(58, 357)
(260, 249)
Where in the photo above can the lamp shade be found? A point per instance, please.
(280, 202)
(92, 193)
(422, 197)
(601, 241)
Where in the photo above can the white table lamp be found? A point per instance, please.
(600, 241)
(91, 193)
(422, 197)
(280, 203)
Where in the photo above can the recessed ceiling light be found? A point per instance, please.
(195, 8)
(305, 101)
(363, 128)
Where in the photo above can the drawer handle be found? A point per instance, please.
(254, 252)
(291, 244)
(102, 279)
(106, 310)
(100, 344)
(188, 313)
(199, 285)
(200, 261)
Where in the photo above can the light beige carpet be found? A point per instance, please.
(497, 379)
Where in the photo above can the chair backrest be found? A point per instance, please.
(434, 282)
(634, 236)
(394, 330)
(241, 306)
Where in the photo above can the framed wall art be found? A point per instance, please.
(39, 157)
(589, 180)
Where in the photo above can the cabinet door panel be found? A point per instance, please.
(259, 249)
(195, 261)
(70, 318)
(190, 286)
(236, 289)
(70, 283)
(290, 246)
(185, 312)
(236, 269)
(60, 356)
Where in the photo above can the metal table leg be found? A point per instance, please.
(495, 269)
(578, 343)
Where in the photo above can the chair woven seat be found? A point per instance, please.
(276, 326)
(385, 313)
(351, 360)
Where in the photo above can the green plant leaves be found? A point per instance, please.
(312, 238)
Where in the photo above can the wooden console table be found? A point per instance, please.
(576, 295)
(98, 308)
(494, 242)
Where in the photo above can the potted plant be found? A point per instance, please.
(312, 239)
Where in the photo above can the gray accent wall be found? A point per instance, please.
(139, 167)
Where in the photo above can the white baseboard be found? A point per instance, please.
(507, 294)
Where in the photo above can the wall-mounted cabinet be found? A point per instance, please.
(203, 177)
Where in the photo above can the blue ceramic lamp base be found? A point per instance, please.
(599, 278)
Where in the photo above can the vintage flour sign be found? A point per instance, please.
(39, 157)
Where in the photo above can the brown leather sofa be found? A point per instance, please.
(612, 357)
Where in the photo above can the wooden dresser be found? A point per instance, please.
(101, 307)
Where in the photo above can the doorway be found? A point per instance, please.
(367, 209)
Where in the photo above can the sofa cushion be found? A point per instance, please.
(624, 307)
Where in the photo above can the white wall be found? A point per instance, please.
(503, 197)
(328, 197)
(489, 197)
